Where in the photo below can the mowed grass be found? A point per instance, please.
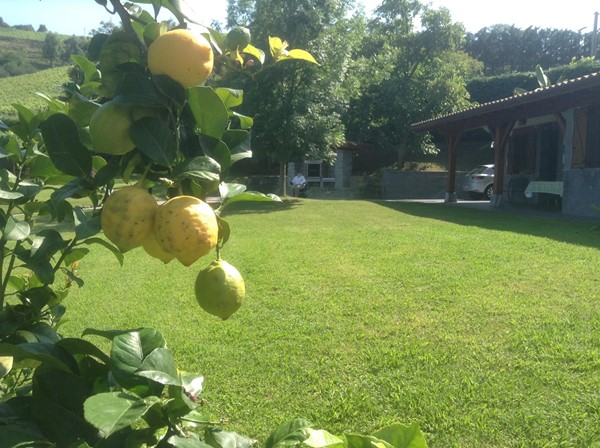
(482, 326)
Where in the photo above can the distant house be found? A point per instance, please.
(546, 145)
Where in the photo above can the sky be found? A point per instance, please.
(80, 16)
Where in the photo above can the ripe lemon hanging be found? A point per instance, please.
(128, 217)
(183, 55)
(153, 249)
(186, 227)
(220, 289)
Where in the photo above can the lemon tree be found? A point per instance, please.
(138, 121)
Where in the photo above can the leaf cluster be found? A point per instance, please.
(135, 396)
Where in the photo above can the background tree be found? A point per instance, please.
(507, 49)
(408, 74)
(52, 48)
(297, 106)
(74, 45)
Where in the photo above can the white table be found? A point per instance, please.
(544, 187)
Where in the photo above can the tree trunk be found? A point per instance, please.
(283, 178)
(401, 155)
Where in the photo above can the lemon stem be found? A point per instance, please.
(140, 182)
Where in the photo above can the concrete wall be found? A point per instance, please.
(417, 184)
(581, 192)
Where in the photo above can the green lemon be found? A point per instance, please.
(220, 289)
(109, 129)
(238, 38)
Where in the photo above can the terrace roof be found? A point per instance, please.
(562, 96)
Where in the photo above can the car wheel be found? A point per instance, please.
(489, 191)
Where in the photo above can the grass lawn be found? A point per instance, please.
(484, 327)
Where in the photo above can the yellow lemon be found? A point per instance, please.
(220, 289)
(186, 227)
(183, 55)
(153, 249)
(128, 217)
(109, 129)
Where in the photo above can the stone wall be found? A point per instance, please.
(417, 184)
(581, 192)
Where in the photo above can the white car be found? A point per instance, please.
(480, 182)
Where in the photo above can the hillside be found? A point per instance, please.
(22, 89)
(21, 51)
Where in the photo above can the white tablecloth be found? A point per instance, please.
(544, 187)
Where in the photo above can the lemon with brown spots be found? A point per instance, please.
(128, 217)
(186, 227)
(183, 55)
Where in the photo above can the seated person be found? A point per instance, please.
(298, 184)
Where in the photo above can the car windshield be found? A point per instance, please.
(479, 170)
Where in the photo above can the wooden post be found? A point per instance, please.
(452, 141)
(501, 134)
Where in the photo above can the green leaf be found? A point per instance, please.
(75, 255)
(117, 253)
(10, 195)
(224, 231)
(46, 244)
(230, 190)
(65, 149)
(113, 411)
(81, 109)
(402, 436)
(40, 165)
(184, 442)
(58, 399)
(108, 334)
(85, 226)
(12, 148)
(6, 364)
(276, 46)
(362, 441)
(256, 52)
(43, 270)
(209, 111)
(137, 89)
(230, 97)
(129, 351)
(319, 438)
(71, 275)
(90, 72)
(153, 138)
(15, 230)
(217, 438)
(47, 354)
(245, 122)
(238, 142)
(301, 55)
(159, 366)
(289, 433)
(201, 169)
(77, 346)
(216, 149)
(252, 196)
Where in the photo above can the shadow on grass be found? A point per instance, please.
(259, 207)
(558, 228)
